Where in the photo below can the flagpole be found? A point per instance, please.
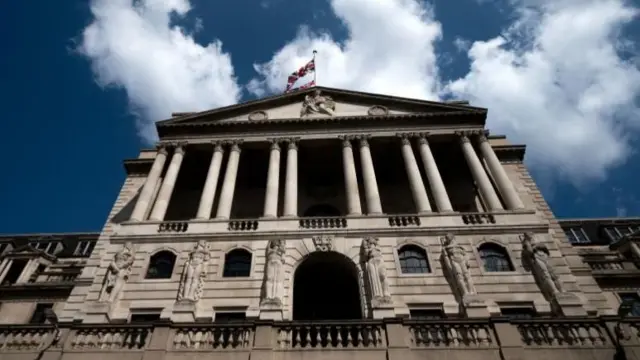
(315, 68)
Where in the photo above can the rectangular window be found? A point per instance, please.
(144, 317)
(17, 266)
(518, 312)
(426, 314)
(634, 300)
(84, 248)
(225, 317)
(3, 247)
(617, 232)
(47, 246)
(576, 235)
(39, 314)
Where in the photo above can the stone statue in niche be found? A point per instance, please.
(376, 272)
(316, 103)
(535, 258)
(274, 274)
(456, 263)
(117, 274)
(195, 273)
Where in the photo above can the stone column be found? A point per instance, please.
(229, 183)
(350, 178)
(149, 186)
(211, 184)
(164, 195)
(479, 175)
(438, 190)
(291, 181)
(415, 179)
(369, 177)
(273, 179)
(505, 186)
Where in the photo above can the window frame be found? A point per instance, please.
(84, 248)
(410, 247)
(48, 247)
(481, 259)
(225, 274)
(574, 231)
(636, 306)
(150, 263)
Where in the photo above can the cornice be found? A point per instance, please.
(510, 153)
(446, 118)
(138, 166)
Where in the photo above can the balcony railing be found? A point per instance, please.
(491, 337)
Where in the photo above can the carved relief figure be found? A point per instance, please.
(274, 274)
(376, 272)
(535, 258)
(317, 103)
(195, 273)
(117, 274)
(456, 263)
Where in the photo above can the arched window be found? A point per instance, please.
(237, 263)
(161, 265)
(494, 258)
(413, 260)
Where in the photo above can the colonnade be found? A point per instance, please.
(482, 177)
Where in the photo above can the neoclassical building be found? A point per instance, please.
(328, 221)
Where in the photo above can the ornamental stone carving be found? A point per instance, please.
(117, 274)
(323, 243)
(274, 274)
(456, 263)
(535, 258)
(377, 110)
(316, 103)
(195, 273)
(376, 272)
(258, 115)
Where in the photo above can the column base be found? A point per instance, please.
(268, 217)
(221, 218)
(201, 218)
(426, 212)
(353, 215)
(288, 216)
(375, 214)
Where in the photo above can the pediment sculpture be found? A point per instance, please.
(117, 274)
(195, 273)
(316, 103)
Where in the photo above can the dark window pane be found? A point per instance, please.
(17, 266)
(494, 258)
(145, 318)
(39, 316)
(518, 313)
(225, 317)
(413, 260)
(426, 314)
(161, 265)
(634, 299)
(237, 263)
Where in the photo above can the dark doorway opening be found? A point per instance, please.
(322, 210)
(325, 287)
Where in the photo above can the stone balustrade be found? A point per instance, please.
(398, 339)
(442, 221)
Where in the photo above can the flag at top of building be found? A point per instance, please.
(309, 68)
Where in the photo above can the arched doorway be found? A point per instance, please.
(325, 287)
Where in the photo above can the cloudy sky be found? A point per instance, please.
(84, 83)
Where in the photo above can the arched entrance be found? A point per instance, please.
(325, 287)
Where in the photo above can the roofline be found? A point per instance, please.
(599, 219)
(190, 115)
(61, 234)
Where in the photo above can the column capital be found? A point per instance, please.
(235, 144)
(293, 143)
(275, 143)
(161, 148)
(364, 139)
(464, 136)
(404, 138)
(482, 135)
(423, 138)
(346, 140)
(179, 147)
(217, 146)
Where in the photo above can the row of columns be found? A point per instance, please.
(372, 194)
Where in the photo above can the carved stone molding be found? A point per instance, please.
(258, 115)
(323, 242)
(377, 110)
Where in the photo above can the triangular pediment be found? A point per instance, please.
(333, 103)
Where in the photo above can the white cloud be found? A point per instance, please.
(553, 80)
(133, 45)
(390, 50)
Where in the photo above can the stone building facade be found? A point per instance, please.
(329, 221)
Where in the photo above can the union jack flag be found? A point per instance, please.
(308, 68)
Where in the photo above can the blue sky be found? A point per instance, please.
(82, 85)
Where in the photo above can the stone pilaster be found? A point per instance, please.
(505, 186)
(229, 183)
(372, 194)
(291, 180)
(438, 190)
(211, 183)
(350, 177)
(479, 174)
(273, 179)
(162, 202)
(418, 190)
(149, 186)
